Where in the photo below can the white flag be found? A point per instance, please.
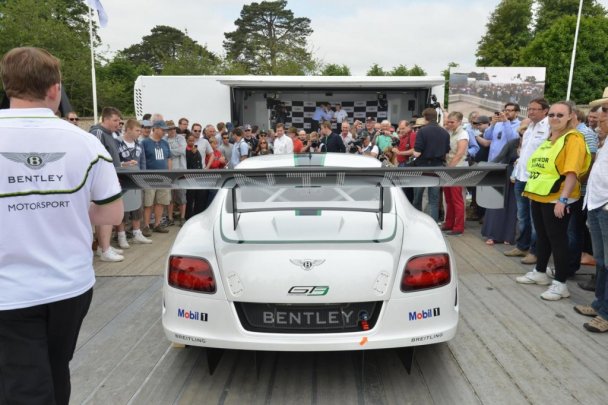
(103, 17)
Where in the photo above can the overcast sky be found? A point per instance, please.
(358, 33)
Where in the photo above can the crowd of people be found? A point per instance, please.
(556, 203)
(521, 93)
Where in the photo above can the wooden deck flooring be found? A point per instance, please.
(511, 347)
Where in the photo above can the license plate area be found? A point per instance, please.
(305, 318)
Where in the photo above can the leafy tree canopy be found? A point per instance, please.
(269, 40)
(553, 48)
(508, 31)
(375, 70)
(550, 11)
(170, 51)
(115, 81)
(400, 70)
(61, 27)
(335, 70)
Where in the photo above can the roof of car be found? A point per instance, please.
(309, 160)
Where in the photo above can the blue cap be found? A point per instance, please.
(160, 124)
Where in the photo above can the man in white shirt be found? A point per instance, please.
(282, 143)
(535, 135)
(345, 135)
(56, 181)
(596, 202)
(340, 115)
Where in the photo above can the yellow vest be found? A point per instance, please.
(544, 178)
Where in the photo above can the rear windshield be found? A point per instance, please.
(335, 198)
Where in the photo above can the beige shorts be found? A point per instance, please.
(178, 196)
(157, 196)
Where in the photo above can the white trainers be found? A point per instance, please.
(122, 242)
(556, 291)
(534, 277)
(138, 237)
(115, 250)
(111, 256)
(550, 272)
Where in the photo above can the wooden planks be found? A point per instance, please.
(144, 260)
(511, 347)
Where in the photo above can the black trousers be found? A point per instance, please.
(196, 202)
(551, 238)
(36, 346)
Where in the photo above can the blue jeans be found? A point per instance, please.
(433, 193)
(526, 240)
(597, 220)
(575, 235)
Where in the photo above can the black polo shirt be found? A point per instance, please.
(433, 143)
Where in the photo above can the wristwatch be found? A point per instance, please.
(563, 200)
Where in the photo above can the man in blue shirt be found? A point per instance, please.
(472, 129)
(158, 157)
(503, 129)
(240, 148)
(322, 113)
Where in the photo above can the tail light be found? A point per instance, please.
(191, 273)
(427, 271)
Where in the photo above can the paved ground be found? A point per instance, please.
(511, 347)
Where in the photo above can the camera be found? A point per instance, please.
(354, 145)
(395, 142)
(314, 144)
(434, 103)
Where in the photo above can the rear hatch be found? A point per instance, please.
(286, 257)
(293, 273)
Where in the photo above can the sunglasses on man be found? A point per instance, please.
(73, 119)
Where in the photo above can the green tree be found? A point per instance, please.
(553, 48)
(115, 82)
(550, 11)
(375, 70)
(508, 31)
(335, 70)
(61, 27)
(171, 49)
(400, 70)
(446, 73)
(230, 67)
(417, 71)
(269, 40)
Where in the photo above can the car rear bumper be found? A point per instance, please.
(411, 320)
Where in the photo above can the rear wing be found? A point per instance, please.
(492, 176)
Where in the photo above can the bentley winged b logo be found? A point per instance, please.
(32, 160)
(307, 264)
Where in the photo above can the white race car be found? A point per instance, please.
(311, 253)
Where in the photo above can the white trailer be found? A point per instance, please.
(264, 100)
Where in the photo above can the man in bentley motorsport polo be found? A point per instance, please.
(50, 171)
